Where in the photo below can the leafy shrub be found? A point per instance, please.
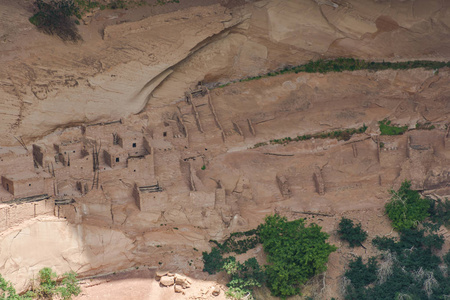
(354, 235)
(425, 126)
(406, 208)
(360, 274)
(387, 129)
(239, 246)
(8, 292)
(295, 253)
(213, 261)
(440, 212)
(54, 18)
(244, 277)
(69, 286)
(47, 284)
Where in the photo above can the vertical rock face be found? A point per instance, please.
(55, 243)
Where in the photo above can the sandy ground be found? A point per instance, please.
(140, 284)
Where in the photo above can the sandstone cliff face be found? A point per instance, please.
(62, 246)
(214, 182)
(45, 83)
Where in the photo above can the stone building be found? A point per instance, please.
(150, 198)
(133, 142)
(68, 150)
(27, 184)
(115, 157)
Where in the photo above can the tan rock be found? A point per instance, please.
(216, 291)
(167, 280)
(182, 281)
(160, 274)
(178, 289)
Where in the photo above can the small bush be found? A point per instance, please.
(387, 129)
(354, 235)
(213, 261)
(54, 18)
(425, 126)
(244, 277)
(69, 286)
(440, 212)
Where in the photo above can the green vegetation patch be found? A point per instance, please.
(348, 64)
(408, 267)
(55, 18)
(440, 212)
(407, 208)
(239, 242)
(295, 254)
(425, 126)
(387, 129)
(244, 277)
(47, 288)
(340, 135)
(354, 235)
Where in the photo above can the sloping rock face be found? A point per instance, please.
(290, 32)
(46, 83)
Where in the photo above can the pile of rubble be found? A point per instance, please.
(179, 282)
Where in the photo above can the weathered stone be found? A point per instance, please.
(216, 291)
(178, 289)
(182, 281)
(160, 274)
(167, 280)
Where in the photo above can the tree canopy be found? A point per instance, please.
(295, 253)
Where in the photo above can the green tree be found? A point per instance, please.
(406, 208)
(295, 253)
(354, 235)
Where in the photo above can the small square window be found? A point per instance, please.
(117, 159)
(164, 133)
(134, 145)
(29, 184)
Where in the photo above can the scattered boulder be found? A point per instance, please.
(182, 281)
(160, 274)
(178, 289)
(167, 280)
(216, 291)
